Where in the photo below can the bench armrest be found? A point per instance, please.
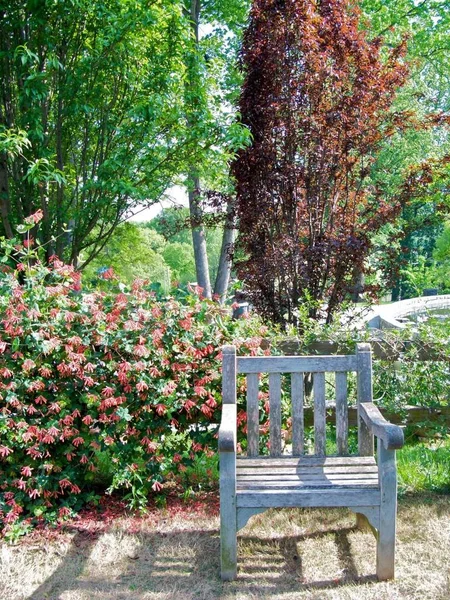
(392, 435)
(227, 429)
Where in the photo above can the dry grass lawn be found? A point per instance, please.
(288, 554)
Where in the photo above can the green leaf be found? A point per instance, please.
(124, 413)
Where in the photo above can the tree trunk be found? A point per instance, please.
(224, 270)
(4, 196)
(358, 286)
(5, 121)
(199, 239)
(198, 231)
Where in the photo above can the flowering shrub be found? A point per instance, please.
(107, 373)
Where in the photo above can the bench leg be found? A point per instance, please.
(388, 513)
(386, 553)
(228, 517)
(228, 552)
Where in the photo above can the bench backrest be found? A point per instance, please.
(297, 367)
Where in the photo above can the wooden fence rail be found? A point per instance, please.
(381, 349)
(411, 415)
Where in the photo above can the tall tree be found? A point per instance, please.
(426, 24)
(90, 114)
(318, 100)
(212, 84)
(196, 112)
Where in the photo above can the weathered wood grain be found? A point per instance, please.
(270, 473)
(355, 484)
(411, 415)
(275, 413)
(388, 513)
(244, 514)
(229, 375)
(308, 498)
(382, 350)
(249, 485)
(228, 429)
(285, 461)
(300, 477)
(228, 516)
(295, 364)
(364, 384)
(391, 435)
(297, 395)
(341, 413)
(252, 414)
(319, 414)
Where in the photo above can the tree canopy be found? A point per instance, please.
(104, 105)
(90, 115)
(319, 100)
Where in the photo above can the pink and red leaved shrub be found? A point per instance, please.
(104, 376)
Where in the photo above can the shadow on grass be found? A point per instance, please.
(185, 564)
(73, 563)
(178, 563)
(280, 557)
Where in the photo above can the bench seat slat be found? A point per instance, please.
(300, 479)
(294, 485)
(306, 461)
(308, 498)
(305, 474)
(270, 473)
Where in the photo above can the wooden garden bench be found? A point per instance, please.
(253, 483)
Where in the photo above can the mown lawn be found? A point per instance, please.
(174, 554)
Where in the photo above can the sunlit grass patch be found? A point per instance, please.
(288, 554)
(424, 466)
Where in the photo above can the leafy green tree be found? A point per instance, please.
(311, 191)
(212, 84)
(441, 260)
(132, 252)
(426, 24)
(174, 225)
(418, 276)
(180, 258)
(91, 114)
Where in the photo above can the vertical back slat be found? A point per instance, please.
(319, 414)
(297, 394)
(341, 413)
(252, 415)
(364, 363)
(275, 413)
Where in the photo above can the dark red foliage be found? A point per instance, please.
(317, 99)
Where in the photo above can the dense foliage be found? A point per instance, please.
(425, 24)
(115, 387)
(319, 101)
(212, 80)
(103, 105)
(90, 114)
(105, 378)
